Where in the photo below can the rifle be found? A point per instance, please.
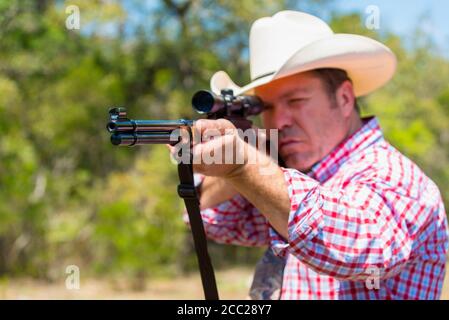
(127, 132)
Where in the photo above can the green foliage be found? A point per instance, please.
(138, 227)
(67, 196)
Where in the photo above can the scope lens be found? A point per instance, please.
(203, 101)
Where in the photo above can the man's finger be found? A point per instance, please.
(207, 124)
(170, 148)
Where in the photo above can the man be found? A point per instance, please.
(351, 217)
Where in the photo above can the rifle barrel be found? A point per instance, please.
(131, 139)
(147, 125)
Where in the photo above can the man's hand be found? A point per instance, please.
(214, 191)
(221, 152)
(267, 192)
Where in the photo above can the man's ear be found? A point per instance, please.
(345, 98)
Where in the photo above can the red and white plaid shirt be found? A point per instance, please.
(365, 223)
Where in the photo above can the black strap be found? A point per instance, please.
(187, 191)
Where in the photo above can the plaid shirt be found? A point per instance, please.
(365, 223)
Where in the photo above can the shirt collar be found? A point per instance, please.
(367, 135)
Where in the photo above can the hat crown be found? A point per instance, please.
(273, 40)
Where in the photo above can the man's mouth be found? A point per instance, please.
(288, 142)
(288, 146)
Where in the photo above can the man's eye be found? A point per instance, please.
(296, 101)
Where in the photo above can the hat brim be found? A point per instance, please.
(369, 64)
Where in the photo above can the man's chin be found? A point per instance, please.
(300, 162)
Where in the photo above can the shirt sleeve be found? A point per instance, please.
(349, 233)
(235, 221)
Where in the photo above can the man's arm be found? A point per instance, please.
(268, 193)
(227, 216)
(261, 183)
(215, 190)
(344, 234)
(365, 229)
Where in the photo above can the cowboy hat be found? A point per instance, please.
(291, 42)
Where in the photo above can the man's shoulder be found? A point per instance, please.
(383, 166)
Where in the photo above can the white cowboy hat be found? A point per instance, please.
(291, 42)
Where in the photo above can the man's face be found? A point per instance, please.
(310, 123)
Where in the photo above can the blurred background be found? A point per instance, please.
(69, 200)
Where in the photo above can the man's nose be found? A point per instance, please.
(282, 118)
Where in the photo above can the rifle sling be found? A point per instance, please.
(187, 191)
